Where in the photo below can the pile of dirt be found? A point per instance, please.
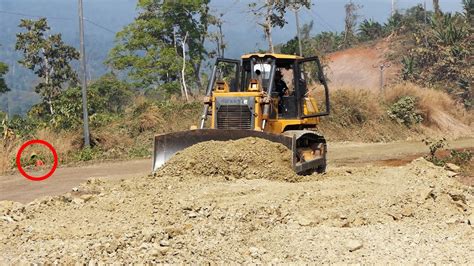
(248, 158)
(373, 215)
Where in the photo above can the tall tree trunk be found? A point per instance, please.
(268, 36)
(49, 95)
(218, 46)
(437, 8)
(49, 88)
(50, 103)
(180, 74)
(197, 75)
(183, 70)
(221, 40)
(267, 27)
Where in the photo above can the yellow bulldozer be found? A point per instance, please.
(276, 97)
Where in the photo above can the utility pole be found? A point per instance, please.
(85, 115)
(8, 105)
(394, 7)
(382, 68)
(298, 31)
(424, 9)
(296, 9)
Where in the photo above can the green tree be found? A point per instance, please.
(165, 38)
(439, 55)
(370, 30)
(3, 84)
(271, 14)
(3, 72)
(116, 94)
(107, 96)
(291, 47)
(410, 21)
(48, 57)
(437, 8)
(328, 42)
(468, 6)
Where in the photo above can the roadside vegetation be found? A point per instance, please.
(457, 161)
(157, 79)
(406, 111)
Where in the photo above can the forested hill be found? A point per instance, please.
(62, 16)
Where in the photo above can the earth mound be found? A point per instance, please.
(412, 214)
(249, 158)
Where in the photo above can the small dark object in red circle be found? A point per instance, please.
(37, 178)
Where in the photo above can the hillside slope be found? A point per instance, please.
(359, 66)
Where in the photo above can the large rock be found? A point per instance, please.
(470, 220)
(353, 245)
(452, 167)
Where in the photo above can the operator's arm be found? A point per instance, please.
(285, 88)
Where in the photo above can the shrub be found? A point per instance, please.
(461, 158)
(439, 55)
(87, 154)
(404, 111)
(436, 107)
(370, 30)
(21, 126)
(434, 146)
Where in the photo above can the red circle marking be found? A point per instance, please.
(22, 171)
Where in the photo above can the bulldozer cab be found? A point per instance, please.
(259, 73)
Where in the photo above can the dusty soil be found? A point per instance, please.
(359, 66)
(17, 188)
(412, 214)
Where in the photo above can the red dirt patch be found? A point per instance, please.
(359, 66)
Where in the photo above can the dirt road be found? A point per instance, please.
(17, 188)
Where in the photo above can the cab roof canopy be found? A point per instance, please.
(277, 56)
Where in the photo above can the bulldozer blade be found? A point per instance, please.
(167, 145)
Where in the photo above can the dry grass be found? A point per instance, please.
(359, 114)
(62, 142)
(8, 151)
(440, 112)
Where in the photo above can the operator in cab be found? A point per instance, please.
(281, 88)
